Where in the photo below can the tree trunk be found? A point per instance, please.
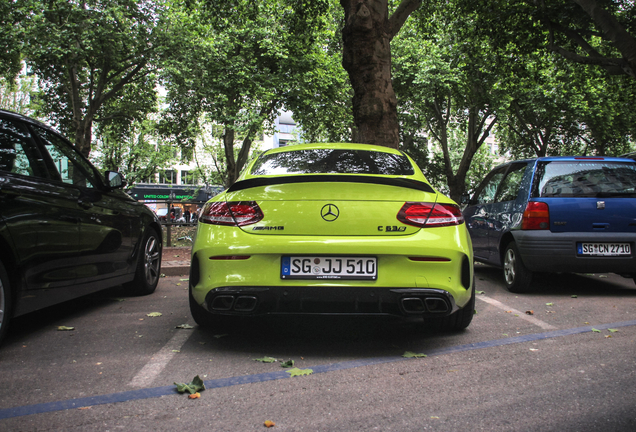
(367, 59)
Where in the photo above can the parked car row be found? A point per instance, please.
(66, 230)
(312, 229)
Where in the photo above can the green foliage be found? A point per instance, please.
(133, 149)
(85, 54)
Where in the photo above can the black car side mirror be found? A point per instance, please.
(114, 180)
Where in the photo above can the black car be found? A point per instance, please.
(65, 229)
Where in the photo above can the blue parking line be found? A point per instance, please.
(156, 392)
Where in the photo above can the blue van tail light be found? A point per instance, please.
(536, 216)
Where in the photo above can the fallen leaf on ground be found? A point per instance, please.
(65, 328)
(549, 304)
(265, 360)
(184, 326)
(612, 330)
(196, 395)
(269, 423)
(595, 330)
(192, 387)
(534, 349)
(186, 279)
(480, 292)
(220, 336)
(575, 296)
(299, 372)
(287, 364)
(154, 314)
(529, 312)
(409, 354)
(608, 336)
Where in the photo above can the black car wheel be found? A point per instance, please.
(5, 302)
(148, 265)
(516, 275)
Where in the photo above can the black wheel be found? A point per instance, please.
(148, 265)
(201, 316)
(459, 320)
(516, 275)
(5, 302)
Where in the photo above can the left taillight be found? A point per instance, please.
(426, 215)
(234, 213)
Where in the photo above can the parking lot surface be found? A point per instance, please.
(561, 358)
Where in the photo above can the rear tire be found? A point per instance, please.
(148, 265)
(201, 316)
(5, 302)
(457, 321)
(516, 275)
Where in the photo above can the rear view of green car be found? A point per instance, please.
(333, 229)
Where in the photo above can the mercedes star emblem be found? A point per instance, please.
(329, 212)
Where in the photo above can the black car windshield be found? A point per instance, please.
(332, 161)
(586, 178)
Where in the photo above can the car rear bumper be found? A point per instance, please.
(330, 300)
(545, 251)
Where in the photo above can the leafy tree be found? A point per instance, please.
(132, 149)
(591, 32)
(17, 95)
(447, 86)
(10, 39)
(86, 54)
(234, 63)
(367, 34)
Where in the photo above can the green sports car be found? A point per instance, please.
(337, 229)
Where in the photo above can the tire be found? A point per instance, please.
(201, 316)
(516, 276)
(6, 304)
(457, 321)
(148, 265)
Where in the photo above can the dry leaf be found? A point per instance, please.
(196, 395)
(269, 423)
(529, 312)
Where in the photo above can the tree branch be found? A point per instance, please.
(401, 14)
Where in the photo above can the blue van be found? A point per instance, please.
(555, 214)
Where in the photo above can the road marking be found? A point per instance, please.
(156, 392)
(158, 362)
(544, 325)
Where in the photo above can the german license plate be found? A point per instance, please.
(604, 249)
(330, 267)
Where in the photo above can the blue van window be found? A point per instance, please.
(584, 179)
(509, 189)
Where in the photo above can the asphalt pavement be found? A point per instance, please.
(562, 358)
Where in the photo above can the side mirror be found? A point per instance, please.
(114, 180)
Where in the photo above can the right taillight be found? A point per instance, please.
(427, 215)
(235, 213)
(536, 216)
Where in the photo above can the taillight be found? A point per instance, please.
(235, 213)
(426, 215)
(536, 216)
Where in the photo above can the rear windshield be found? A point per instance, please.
(584, 179)
(332, 161)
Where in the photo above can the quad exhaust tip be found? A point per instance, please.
(418, 305)
(238, 304)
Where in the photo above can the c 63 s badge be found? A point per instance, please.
(390, 228)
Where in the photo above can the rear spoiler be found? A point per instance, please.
(309, 178)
